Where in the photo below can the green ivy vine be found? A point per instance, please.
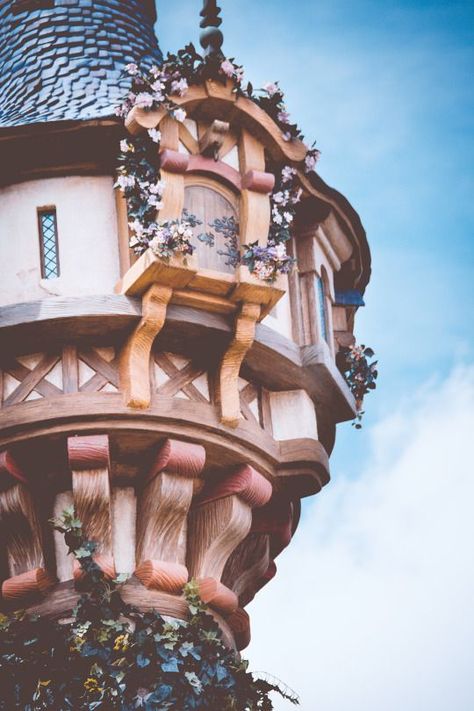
(109, 655)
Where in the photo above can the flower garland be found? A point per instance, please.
(139, 173)
(360, 375)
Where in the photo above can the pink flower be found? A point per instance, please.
(227, 68)
(288, 173)
(132, 69)
(179, 86)
(143, 100)
(271, 88)
(284, 116)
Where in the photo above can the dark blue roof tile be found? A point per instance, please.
(67, 62)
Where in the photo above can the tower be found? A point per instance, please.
(183, 403)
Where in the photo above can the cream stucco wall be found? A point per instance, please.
(87, 235)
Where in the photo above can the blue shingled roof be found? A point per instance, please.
(64, 59)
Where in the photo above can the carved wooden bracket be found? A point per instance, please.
(89, 462)
(134, 368)
(163, 506)
(220, 520)
(244, 335)
(21, 535)
(211, 142)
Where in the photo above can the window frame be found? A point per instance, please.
(40, 211)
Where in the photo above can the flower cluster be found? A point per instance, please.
(139, 174)
(173, 236)
(111, 656)
(267, 262)
(359, 374)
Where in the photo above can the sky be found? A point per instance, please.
(372, 605)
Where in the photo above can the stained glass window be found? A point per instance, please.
(48, 234)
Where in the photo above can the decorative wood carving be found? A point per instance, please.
(258, 181)
(162, 510)
(214, 168)
(221, 103)
(135, 357)
(220, 520)
(89, 463)
(239, 623)
(21, 535)
(212, 141)
(247, 564)
(173, 161)
(232, 360)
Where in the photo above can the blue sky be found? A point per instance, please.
(385, 88)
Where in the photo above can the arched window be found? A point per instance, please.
(216, 239)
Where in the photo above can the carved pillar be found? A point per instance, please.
(220, 520)
(21, 535)
(90, 465)
(163, 506)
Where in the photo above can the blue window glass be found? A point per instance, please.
(48, 235)
(323, 319)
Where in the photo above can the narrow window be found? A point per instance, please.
(323, 319)
(48, 238)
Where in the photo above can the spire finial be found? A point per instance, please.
(211, 38)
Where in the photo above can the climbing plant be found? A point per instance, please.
(359, 373)
(109, 655)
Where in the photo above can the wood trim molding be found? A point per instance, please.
(273, 360)
(221, 102)
(201, 164)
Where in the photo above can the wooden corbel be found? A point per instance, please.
(163, 505)
(89, 462)
(212, 141)
(21, 535)
(134, 364)
(219, 521)
(270, 533)
(228, 383)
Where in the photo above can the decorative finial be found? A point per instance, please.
(211, 38)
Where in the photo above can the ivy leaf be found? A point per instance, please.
(171, 665)
(142, 661)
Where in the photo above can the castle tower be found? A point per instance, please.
(184, 405)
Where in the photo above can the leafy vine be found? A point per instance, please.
(360, 375)
(139, 172)
(109, 655)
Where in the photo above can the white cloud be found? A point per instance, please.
(372, 608)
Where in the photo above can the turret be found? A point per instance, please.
(168, 370)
